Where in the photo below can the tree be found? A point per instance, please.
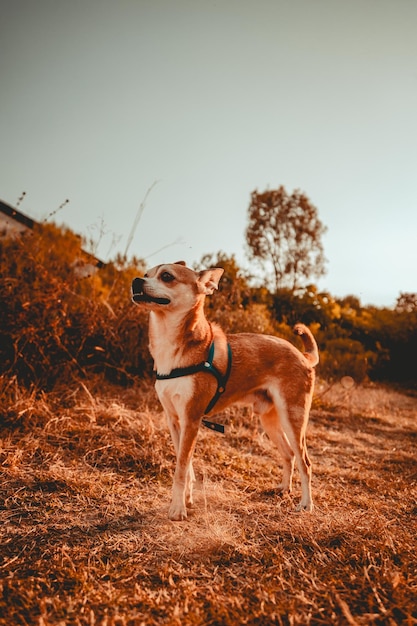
(407, 303)
(284, 235)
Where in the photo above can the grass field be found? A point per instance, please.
(85, 539)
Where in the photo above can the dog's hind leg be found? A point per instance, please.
(174, 429)
(290, 439)
(272, 426)
(306, 502)
(294, 429)
(189, 500)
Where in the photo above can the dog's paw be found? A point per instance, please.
(282, 489)
(189, 500)
(304, 507)
(177, 513)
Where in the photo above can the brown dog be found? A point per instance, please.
(201, 371)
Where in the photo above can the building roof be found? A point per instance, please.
(23, 219)
(16, 215)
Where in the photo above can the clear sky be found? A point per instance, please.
(213, 99)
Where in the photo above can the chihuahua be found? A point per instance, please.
(200, 371)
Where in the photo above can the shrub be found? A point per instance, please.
(57, 323)
(344, 357)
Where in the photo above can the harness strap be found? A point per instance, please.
(221, 380)
(206, 366)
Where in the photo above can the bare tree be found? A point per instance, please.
(284, 235)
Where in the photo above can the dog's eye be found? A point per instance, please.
(166, 277)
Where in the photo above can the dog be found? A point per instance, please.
(200, 371)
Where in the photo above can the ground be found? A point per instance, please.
(85, 538)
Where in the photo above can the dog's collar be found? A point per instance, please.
(206, 366)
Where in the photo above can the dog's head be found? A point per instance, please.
(174, 286)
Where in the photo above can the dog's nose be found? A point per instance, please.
(137, 285)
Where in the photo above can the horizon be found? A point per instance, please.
(189, 107)
(253, 278)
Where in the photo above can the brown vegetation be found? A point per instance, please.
(87, 467)
(57, 325)
(85, 539)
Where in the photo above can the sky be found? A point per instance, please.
(187, 106)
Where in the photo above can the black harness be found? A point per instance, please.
(206, 366)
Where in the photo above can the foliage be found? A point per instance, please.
(233, 306)
(284, 234)
(234, 289)
(362, 342)
(307, 305)
(407, 303)
(59, 320)
(344, 357)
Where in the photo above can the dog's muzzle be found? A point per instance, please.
(139, 295)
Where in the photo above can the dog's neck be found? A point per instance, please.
(178, 339)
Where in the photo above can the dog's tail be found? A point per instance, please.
(311, 351)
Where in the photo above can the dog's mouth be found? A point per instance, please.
(139, 295)
(143, 297)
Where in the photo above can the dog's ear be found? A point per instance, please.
(208, 280)
(180, 263)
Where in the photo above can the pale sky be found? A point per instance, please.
(213, 99)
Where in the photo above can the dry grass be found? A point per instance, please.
(85, 538)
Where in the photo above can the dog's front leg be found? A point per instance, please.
(174, 428)
(184, 473)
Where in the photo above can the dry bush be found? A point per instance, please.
(344, 357)
(56, 324)
(85, 539)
